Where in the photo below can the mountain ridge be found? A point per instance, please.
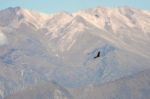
(61, 47)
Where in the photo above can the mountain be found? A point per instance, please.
(130, 87)
(42, 91)
(38, 49)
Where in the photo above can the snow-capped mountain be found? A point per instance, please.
(38, 49)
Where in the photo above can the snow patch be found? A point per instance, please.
(3, 39)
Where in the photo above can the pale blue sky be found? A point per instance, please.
(72, 5)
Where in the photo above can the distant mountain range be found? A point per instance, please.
(55, 56)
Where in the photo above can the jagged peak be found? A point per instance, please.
(21, 11)
(13, 10)
(78, 18)
(62, 14)
(20, 15)
(99, 16)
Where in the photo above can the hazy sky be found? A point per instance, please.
(72, 5)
